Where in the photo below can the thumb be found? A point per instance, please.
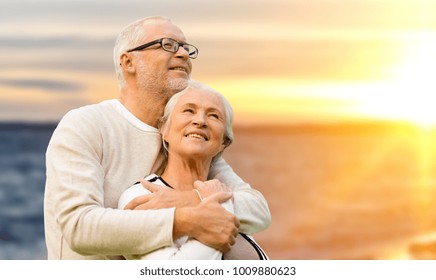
(149, 186)
(219, 197)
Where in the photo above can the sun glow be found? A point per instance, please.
(409, 94)
(418, 80)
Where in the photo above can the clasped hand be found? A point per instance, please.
(163, 197)
(206, 220)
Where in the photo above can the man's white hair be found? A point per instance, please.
(130, 37)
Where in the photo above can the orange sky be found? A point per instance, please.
(284, 60)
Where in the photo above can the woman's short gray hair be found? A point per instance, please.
(128, 38)
(169, 108)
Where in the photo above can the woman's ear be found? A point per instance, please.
(162, 125)
(226, 142)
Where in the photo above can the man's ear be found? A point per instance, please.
(127, 63)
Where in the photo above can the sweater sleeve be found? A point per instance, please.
(250, 206)
(75, 193)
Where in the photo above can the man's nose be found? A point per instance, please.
(181, 52)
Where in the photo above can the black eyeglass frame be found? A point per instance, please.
(159, 41)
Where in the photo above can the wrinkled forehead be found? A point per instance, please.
(201, 98)
(159, 28)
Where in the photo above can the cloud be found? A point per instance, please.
(44, 84)
(11, 42)
(77, 53)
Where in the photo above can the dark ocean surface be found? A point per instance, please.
(22, 179)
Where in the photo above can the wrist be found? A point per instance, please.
(198, 194)
(182, 222)
(188, 199)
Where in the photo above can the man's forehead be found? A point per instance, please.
(161, 28)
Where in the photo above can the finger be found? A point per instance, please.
(143, 206)
(225, 248)
(149, 186)
(215, 181)
(237, 223)
(232, 240)
(225, 187)
(219, 197)
(134, 203)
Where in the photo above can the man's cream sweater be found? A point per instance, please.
(95, 153)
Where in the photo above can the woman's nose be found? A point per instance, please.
(200, 120)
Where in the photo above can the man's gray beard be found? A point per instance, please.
(163, 88)
(177, 85)
(172, 87)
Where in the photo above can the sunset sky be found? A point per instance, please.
(281, 60)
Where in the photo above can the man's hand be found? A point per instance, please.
(208, 222)
(162, 197)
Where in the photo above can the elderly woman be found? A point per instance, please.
(196, 128)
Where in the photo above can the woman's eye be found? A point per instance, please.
(188, 111)
(216, 116)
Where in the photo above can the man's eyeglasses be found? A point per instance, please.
(169, 45)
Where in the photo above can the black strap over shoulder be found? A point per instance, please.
(259, 250)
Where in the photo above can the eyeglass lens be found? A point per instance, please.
(173, 46)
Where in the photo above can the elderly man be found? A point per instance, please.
(98, 151)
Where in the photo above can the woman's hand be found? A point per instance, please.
(211, 187)
(162, 197)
